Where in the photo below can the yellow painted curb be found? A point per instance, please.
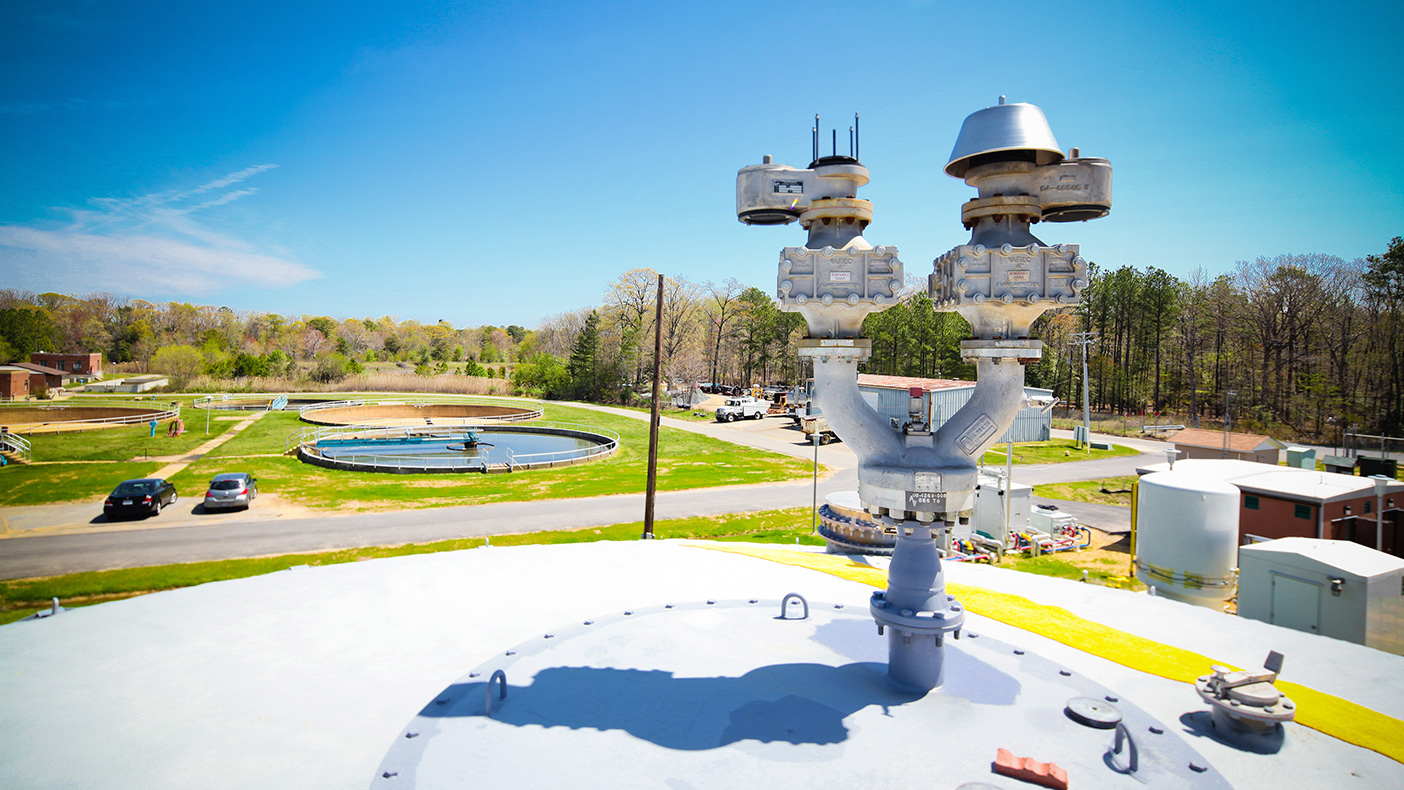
(1339, 718)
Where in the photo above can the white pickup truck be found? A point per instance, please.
(741, 409)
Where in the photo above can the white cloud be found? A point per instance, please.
(147, 244)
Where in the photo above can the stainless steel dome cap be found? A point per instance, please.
(988, 134)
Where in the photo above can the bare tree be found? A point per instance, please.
(628, 307)
(721, 307)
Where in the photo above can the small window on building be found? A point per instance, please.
(60, 364)
(1302, 511)
(1250, 502)
(77, 367)
(1368, 505)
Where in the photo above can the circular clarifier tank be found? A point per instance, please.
(460, 449)
(79, 416)
(372, 413)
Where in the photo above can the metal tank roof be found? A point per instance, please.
(308, 677)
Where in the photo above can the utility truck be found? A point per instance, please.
(741, 409)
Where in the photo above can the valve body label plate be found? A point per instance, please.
(971, 438)
(927, 501)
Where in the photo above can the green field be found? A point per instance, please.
(267, 436)
(1052, 452)
(1093, 491)
(126, 443)
(22, 597)
(685, 460)
(77, 482)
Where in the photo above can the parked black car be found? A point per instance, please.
(144, 497)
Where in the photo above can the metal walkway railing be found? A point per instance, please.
(15, 445)
(307, 440)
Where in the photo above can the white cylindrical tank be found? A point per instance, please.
(1187, 537)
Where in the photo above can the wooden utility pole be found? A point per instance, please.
(653, 420)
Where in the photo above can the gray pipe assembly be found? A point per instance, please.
(914, 481)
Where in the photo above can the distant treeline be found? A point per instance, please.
(1307, 343)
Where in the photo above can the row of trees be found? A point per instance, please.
(711, 332)
(186, 340)
(1309, 342)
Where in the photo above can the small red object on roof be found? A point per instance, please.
(1030, 770)
(916, 392)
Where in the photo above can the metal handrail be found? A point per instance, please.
(331, 404)
(15, 443)
(160, 415)
(535, 407)
(83, 400)
(204, 401)
(307, 438)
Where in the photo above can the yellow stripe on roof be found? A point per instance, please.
(1337, 717)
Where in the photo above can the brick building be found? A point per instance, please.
(14, 384)
(76, 368)
(40, 377)
(1284, 502)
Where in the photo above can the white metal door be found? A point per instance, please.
(1296, 603)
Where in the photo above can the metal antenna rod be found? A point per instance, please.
(850, 141)
(835, 131)
(815, 130)
(855, 135)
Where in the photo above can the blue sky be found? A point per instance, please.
(496, 163)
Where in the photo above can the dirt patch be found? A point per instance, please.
(364, 415)
(1106, 546)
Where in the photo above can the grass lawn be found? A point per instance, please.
(1106, 571)
(22, 597)
(1053, 452)
(22, 484)
(685, 460)
(693, 415)
(125, 443)
(668, 410)
(267, 436)
(1090, 491)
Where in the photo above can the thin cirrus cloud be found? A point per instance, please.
(150, 244)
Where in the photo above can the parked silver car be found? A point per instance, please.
(231, 489)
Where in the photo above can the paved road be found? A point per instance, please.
(181, 536)
(55, 554)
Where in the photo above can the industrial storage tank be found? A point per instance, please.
(1186, 537)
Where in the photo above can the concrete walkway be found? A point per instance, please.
(204, 449)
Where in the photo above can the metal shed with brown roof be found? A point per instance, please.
(1198, 443)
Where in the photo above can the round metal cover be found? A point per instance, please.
(1093, 712)
(1004, 128)
(1259, 695)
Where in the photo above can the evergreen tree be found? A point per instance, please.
(584, 364)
